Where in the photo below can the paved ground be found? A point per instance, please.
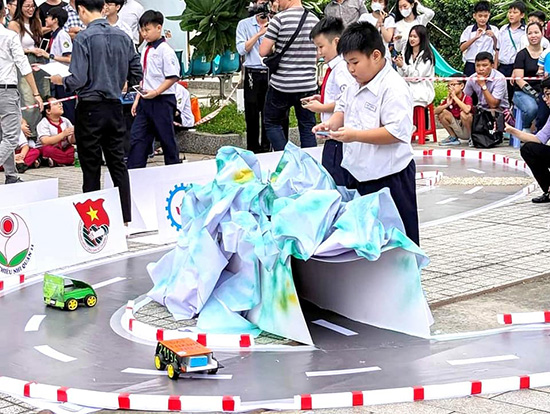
(480, 266)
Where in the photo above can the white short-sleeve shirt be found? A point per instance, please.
(159, 62)
(509, 43)
(385, 101)
(130, 14)
(22, 140)
(484, 44)
(46, 129)
(124, 27)
(62, 45)
(183, 103)
(338, 81)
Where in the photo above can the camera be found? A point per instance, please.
(263, 9)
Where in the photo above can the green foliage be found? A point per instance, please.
(316, 6)
(215, 22)
(229, 120)
(441, 92)
(500, 10)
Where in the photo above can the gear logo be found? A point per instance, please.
(93, 231)
(15, 244)
(173, 205)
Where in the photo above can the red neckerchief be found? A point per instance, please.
(324, 85)
(58, 126)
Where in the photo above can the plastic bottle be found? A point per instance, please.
(76, 160)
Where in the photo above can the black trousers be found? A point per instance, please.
(256, 82)
(332, 160)
(537, 157)
(100, 127)
(402, 187)
(507, 70)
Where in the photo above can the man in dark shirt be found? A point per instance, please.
(103, 59)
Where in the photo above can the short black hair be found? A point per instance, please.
(539, 15)
(10, 1)
(46, 107)
(59, 13)
(518, 5)
(484, 56)
(120, 3)
(459, 75)
(545, 84)
(151, 17)
(90, 5)
(482, 6)
(361, 37)
(2, 7)
(330, 26)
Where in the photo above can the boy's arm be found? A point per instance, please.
(444, 105)
(42, 131)
(463, 107)
(335, 122)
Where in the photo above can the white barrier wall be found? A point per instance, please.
(61, 232)
(28, 192)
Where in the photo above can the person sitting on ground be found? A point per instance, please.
(488, 84)
(419, 62)
(455, 112)
(25, 156)
(55, 135)
(535, 150)
(478, 37)
(535, 17)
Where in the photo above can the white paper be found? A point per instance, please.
(56, 68)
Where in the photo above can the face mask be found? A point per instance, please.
(376, 7)
(406, 12)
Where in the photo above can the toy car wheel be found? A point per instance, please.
(173, 371)
(91, 301)
(71, 304)
(214, 370)
(158, 363)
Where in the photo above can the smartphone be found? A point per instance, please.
(323, 133)
(44, 44)
(139, 90)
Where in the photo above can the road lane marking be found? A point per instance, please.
(334, 327)
(34, 323)
(108, 282)
(342, 371)
(141, 371)
(447, 200)
(52, 353)
(476, 171)
(473, 190)
(481, 360)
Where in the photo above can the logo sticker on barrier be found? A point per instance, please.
(173, 205)
(93, 230)
(15, 244)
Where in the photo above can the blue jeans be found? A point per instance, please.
(277, 105)
(528, 107)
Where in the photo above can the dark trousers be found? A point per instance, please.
(256, 82)
(402, 187)
(332, 161)
(100, 127)
(507, 70)
(537, 157)
(277, 106)
(154, 118)
(542, 114)
(469, 68)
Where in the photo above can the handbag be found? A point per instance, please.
(273, 60)
(487, 129)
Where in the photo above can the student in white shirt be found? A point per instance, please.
(409, 13)
(382, 20)
(111, 11)
(419, 62)
(478, 37)
(326, 35)
(374, 121)
(130, 14)
(184, 115)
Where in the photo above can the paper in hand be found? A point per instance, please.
(56, 68)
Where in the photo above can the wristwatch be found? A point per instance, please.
(484, 88)
(52, 56)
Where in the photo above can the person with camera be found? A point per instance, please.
(250, 33)
(291, 57)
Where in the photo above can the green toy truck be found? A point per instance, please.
(65, 293)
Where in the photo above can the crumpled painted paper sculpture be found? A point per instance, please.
(231, 265)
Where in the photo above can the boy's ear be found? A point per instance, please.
(336, 40)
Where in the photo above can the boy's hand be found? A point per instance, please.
(398, 60)
(324, 126)
(133, 111)
(313, 105)
(479, 33)
(490, 33)
(151, 94)
(344, 134)
(68, 132)
(19, 158)
(26, 129)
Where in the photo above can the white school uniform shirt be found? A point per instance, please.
(22, 141)
(484, 44)
(62, 45)
(338, 81)
(422, 90)
(509, 43)
(385, 101)
(183, 103)
(159, 62)
(524, 42)
(46, 129)
(389, 23)
(124, 27)
(130, 14)
(403, 28)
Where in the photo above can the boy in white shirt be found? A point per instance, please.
(326, 35)
(111, 11)
(374, 120)
(25, 156)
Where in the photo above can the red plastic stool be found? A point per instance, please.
(419, 120)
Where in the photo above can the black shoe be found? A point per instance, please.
(544, 198)
(21, 167)
(13, 180)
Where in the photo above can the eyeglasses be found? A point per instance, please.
(454, 84)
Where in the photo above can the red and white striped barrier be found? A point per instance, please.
(466, 78)
(429, 178)
(70, 98)
(118, 401)
(11, 281)
(151, 333)
(523, 318)
(420, 393)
